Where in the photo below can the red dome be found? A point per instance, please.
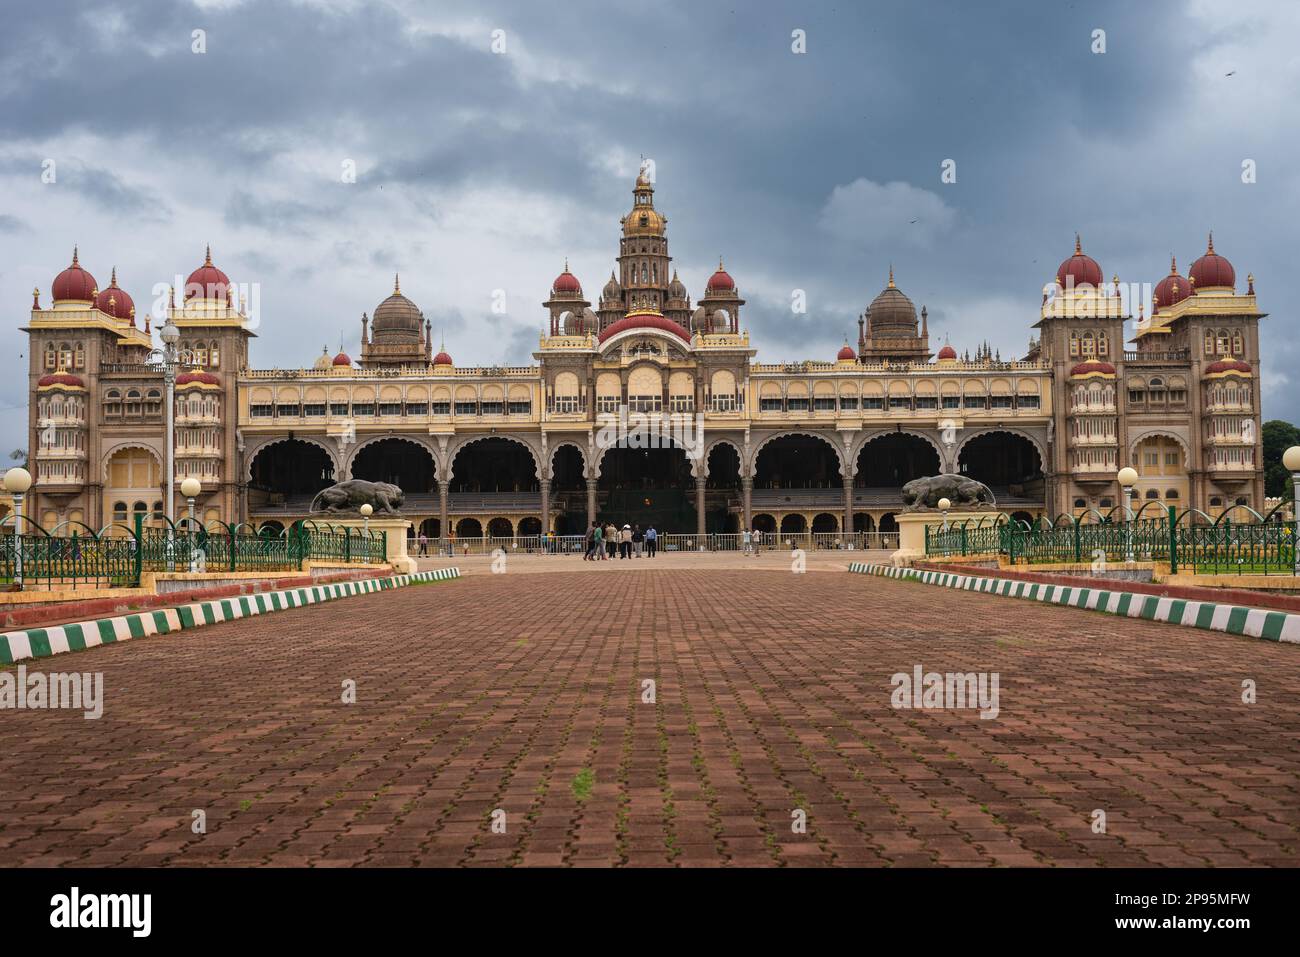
(947, 352)
(566, 282)
(116, 301)
(442, 359)
(721, 280)
(61, 378)
(1228, 365)
(197, 378)
(644, 320)
(846, 352)
(1173, 288)
(207, 282)
(1083, 269)
(1093, 367)
(74, 284)
(342, 359)
(1212, 270)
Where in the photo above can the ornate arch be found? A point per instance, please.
(710, 446)
(836, 447)
(456, 449)
(1166, 433)
(870, 437)
(253, 451)
(552, 449)
(159, 457)
(413, 439)
(1009, 430)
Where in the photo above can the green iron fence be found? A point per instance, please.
(74, 554)
(1190, 541)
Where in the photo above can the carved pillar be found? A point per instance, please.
(846, 528)
(746, 493)
(546, 506)
(699, 505)
(443, 530)
(591, 502)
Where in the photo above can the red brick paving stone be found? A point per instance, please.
(772, 693)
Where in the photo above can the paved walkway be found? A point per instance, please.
(524, 693)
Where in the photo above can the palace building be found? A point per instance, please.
(806, 445)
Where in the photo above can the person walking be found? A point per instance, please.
(424, 544)
(747, 540)
(611, 540)
(625, 542)
(593, 543)
(638, 541)
(651, 541)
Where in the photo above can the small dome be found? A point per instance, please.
(208, 282)
(846, 353)
(1212, 271)
(947, 352)
(74, 284)
(612, 289)
(566, 283)
(1173, 288)
(677, 288)
(442, 359)
(64, 380)
(1092, 367)
(342, 359)
(1083, 270)
(197, 378)
(116, 301)
(721, 281)
(323, 361)
(1224, 366)
(644, 220)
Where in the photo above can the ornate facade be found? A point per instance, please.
(808, 445)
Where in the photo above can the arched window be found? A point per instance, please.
(1172, 494)
(119, 511)
(1238, 344)
(51, 356)
(214, 356)
(157, 511)
(1080, 503)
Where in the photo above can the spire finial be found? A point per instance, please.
(1078, 245)
(74, 256)
(397, 282)
(36, 297)
(566, 263)
(113, 281)
(719, 263)
(1173, 265)
(891, 276)
(1209, 247)
(207, 255)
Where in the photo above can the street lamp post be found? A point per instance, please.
(944, 505)
(17, 482)
(366, 511)
(170, 335)
(1291, 462)
(1127, 479)
(190, 488)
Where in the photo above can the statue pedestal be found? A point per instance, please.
(912, 526)
(396, 530)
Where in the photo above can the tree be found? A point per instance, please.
(1278, 437)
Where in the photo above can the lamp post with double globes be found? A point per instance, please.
(17, 482)
(1291, 462)
(1127, 479)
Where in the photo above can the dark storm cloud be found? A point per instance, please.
(807, 172)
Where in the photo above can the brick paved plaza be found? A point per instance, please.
(523, 692)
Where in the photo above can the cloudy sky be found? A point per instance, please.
(491, 140)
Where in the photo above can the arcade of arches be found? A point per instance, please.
(796, 483)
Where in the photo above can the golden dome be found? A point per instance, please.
(644, 221)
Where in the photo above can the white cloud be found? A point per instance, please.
(870, 213)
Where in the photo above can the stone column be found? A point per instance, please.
(699, 506)
(443, 530)
(847, 526)
(546, 506)
(591, 502)
(746, 493)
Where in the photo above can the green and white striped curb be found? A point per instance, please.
(43, 642)
(1234, 619)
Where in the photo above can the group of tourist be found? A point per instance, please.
(608, 540)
